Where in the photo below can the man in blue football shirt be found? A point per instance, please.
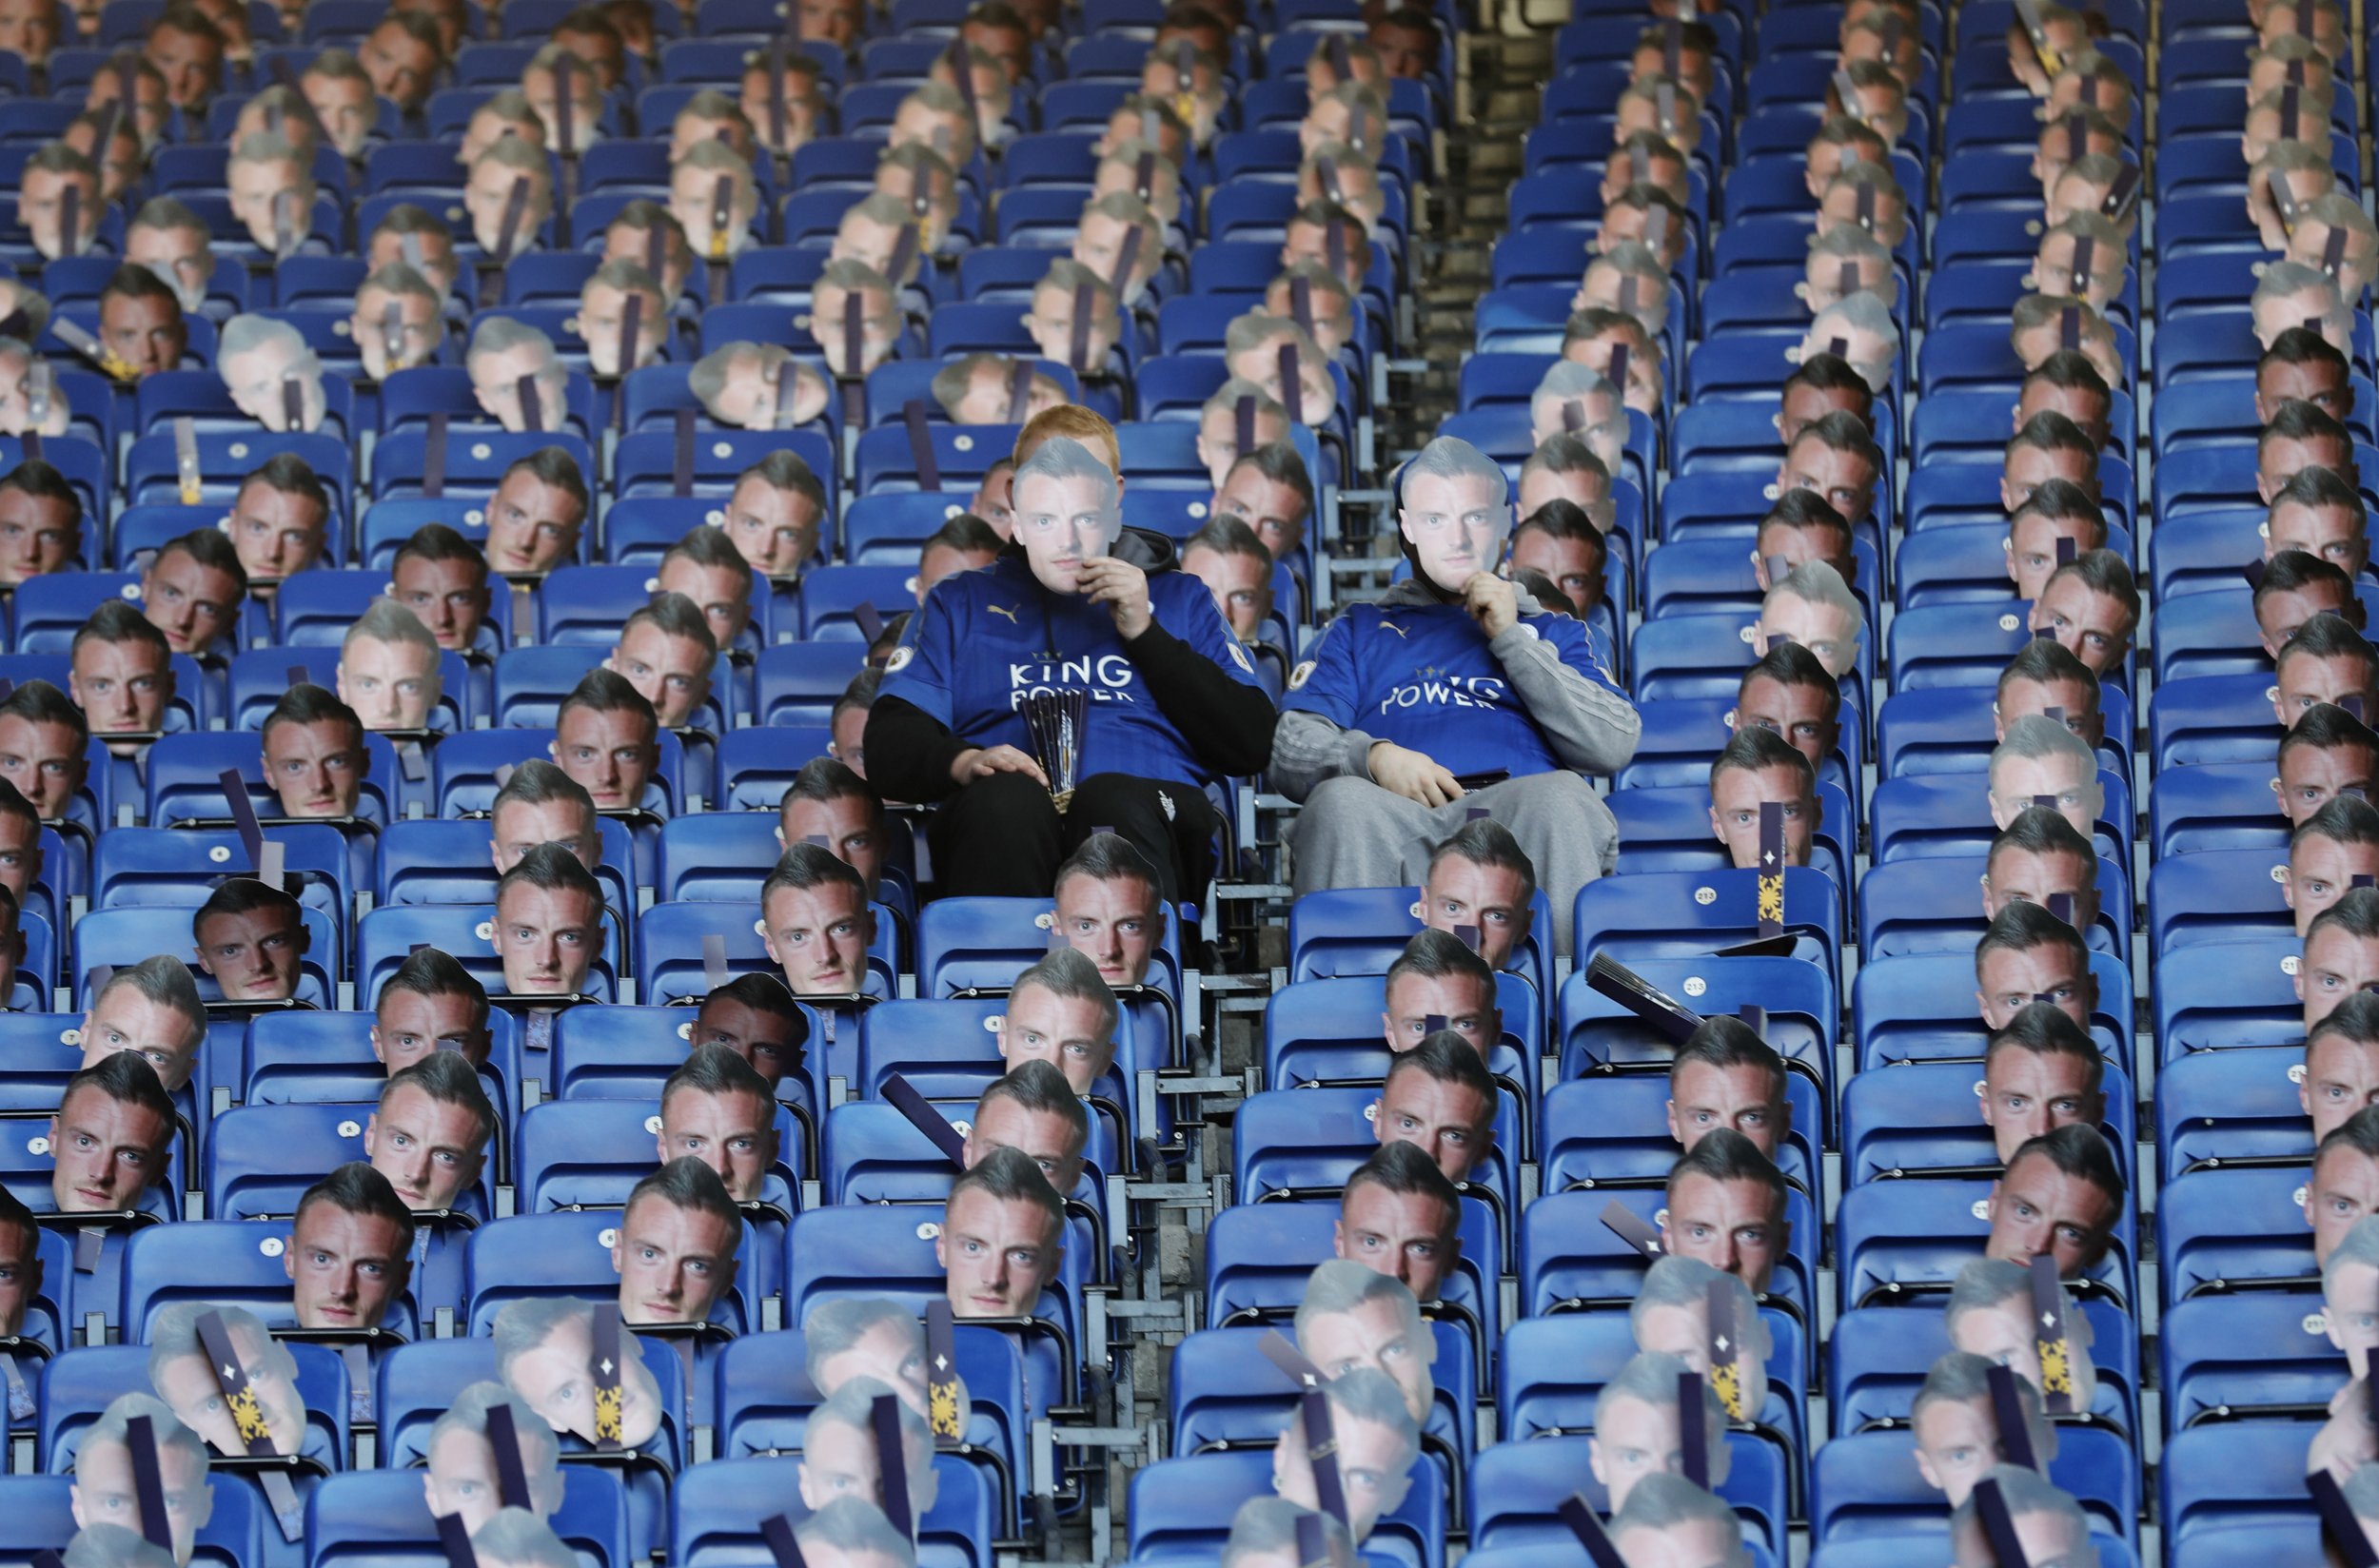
(1455, 693)
(1075, 603)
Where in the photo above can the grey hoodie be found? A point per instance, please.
(1590, 727)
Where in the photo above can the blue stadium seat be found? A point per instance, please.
(1921, 1007)
(589, 1153)
(1517, 1487)
(1899, 1239)
(236, 1261)
(567, 1255)
(1877, 1357)
(2217, 895)
(1867, 1485)
(1569, 1259)
(1180, 1511)
(368, 1516)
(1923, 1119)
(2238, 1479)
(2246, 1358)
(41, 1517)
(1662, 914)
(2220, 1230)
(717, 1510)
(2238, 993)
(2222, 1107)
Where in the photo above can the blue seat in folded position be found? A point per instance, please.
(1877, 1357)
(1868, 1486)
(40, 1512)
(2239, 1358)
(2234, 993)
(1516, 1489)
(382, 1515)
(1180, 1511)
(2221, 1107)
(2221, 1230)
(1902, 1239)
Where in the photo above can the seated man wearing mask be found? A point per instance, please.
(1514, 692)
(1076, 606)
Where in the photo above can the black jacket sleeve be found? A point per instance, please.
(909, 753)
(1228, 725)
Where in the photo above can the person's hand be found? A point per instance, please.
(1124, 588)
(1413, 775)
(983, 761)
(1493, 601)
